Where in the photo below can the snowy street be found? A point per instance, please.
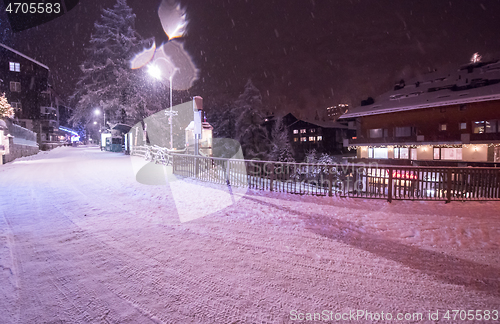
(81, 241)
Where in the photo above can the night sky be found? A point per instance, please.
(303, 55)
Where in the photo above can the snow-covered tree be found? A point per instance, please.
(5, 31)
(108, 82)
(249, 118)
(281, 149)
(6, 109)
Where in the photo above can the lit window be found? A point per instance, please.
(380, 153)
(451, 153)
(404, 153)
(15, 86)
(295, 139)
(295, 131)
(312, 139)
(413, 153)
(478, 127)
(15, 67)
(442, 127)
(463, 125)
(312, 130)
(437, 153)
(395, 152)
(303, 139)
(319, 138)
(303, 131)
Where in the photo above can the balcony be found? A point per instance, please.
(48, 117)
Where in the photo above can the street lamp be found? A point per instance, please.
(155, 72)
(97, 112)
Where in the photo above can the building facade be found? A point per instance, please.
(25, 82)
(322, 136)
(440, 118)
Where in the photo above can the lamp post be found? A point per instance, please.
(97, 112)
(155, 72)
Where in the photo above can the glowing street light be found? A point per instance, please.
(97, 112)
(155, 72)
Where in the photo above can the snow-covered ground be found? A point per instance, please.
(82, 241)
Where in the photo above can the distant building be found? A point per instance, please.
(335, 112)
(27, 87)
(323, 136)
(440, 118)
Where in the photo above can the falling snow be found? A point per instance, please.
(82, 241)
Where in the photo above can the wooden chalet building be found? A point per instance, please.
(25, 82)
(325, 136)
(442, 118)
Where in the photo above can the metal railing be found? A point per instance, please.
(343, 180)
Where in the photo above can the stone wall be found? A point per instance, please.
(15, 151)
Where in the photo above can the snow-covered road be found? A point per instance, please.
(82, 242)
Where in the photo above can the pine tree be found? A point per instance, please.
(6, 109)
(108, 82)
(5, 31)
(281, 149)
(249, 118)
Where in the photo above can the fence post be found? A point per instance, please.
(448, 186)
(228, 169)
(272, 176)
(330, 180)
(389, 189)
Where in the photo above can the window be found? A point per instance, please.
(463, 107)
(295, 139)
(15, 67)
(17, 106)
(442, 127)
(380, 153)
(437, 153)
(303, 139)
(402, 131)
(312, 130)
(496, 154)
(403, 153)
(319, 138)
(478, 127)
(295, 131)
(375, 133)
(462, 126)
(15, 86)
(451, 153)
(303, 131)
(413, 153)
(312, 139)
(490, 126)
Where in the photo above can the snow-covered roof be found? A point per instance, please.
(471, 83)
(25, 56)
(321, 123)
